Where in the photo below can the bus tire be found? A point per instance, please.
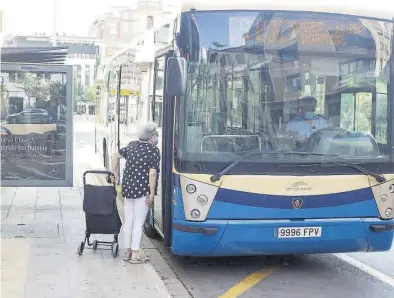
(149, 230)
(105, 154)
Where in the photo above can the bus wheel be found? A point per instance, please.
(149, 230)
(105, 154)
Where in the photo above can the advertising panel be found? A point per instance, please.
(36, 125)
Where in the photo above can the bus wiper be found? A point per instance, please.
(379, 177)
(217, 176)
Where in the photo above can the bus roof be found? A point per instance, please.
(375, 9)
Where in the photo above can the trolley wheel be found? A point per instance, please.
(95, 244)
(81, 247)
(115, 249)
(149, 230)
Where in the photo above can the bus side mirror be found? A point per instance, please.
(176, 76)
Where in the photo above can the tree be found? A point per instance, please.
(75, 89)
(4, 103)
(218, 45)
(90, 94)
(34, 86)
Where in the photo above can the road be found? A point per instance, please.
(346, 275)
(303, 276)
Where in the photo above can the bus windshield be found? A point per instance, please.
(313, 83)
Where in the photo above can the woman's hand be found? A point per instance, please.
(150, 199)
(112, 178)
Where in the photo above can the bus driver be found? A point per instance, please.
(306, 122)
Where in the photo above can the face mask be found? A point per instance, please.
(155, 140)
(308, 115)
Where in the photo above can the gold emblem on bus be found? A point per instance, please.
(299, 186)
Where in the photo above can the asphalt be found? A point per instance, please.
(302, 276)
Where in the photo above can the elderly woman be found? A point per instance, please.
(139, 186)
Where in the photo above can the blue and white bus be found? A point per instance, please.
(276, 124)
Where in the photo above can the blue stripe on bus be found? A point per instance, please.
(224, 210)
(285, 202)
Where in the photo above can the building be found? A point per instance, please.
(1, 21)
(121, 24)
(1, 27)
(117, 28)
(83, 54)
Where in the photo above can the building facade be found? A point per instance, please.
(117, 27)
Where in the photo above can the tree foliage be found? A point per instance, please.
(90, 94)
(34, 86)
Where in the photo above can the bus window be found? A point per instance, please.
(286, 89)
(381, 118)
(158, 91)
(357, 114)
(381, 112)
(356, 111)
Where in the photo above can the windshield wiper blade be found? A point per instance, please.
(379, 177)
(306, 153)
(217, 176)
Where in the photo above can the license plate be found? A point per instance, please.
(300, 232)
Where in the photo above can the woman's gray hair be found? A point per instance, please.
(146, 130)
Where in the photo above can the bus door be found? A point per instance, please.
(162, 108)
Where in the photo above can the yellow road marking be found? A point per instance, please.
(15, 262)
(248, 282)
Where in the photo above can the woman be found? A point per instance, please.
(139, 186)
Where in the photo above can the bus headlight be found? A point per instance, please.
(197, 197)
(195, 213)
(389, 212)
(191, 188)
(383, 198)
(202, 200)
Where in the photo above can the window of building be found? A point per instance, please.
(113, 29)
(125, 28)
(12, 77)
(149, 22)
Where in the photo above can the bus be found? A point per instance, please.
(276, 127)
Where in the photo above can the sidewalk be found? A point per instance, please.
(40, 232)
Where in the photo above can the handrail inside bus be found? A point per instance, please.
(203, 139)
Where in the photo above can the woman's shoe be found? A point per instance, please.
(137, 260)
(127, 256)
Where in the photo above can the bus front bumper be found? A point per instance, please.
(261, 237)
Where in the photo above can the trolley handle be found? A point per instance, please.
(100, 172)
